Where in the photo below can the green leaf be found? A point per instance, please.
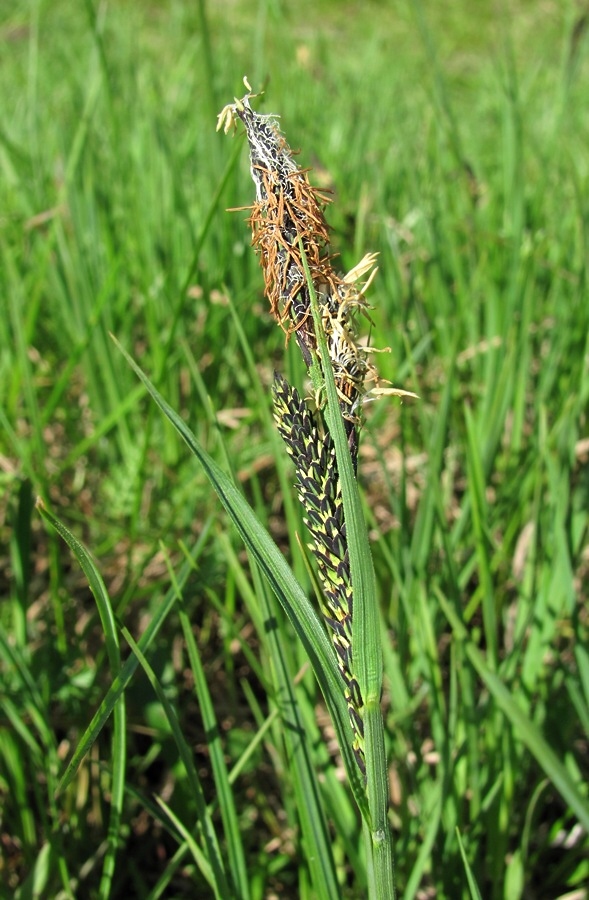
(299, 610)
(472, 884)
(525, 729)
(367, 663)
(119, 749)
(212, 864)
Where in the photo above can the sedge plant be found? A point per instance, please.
(320, 308)
(311, 301)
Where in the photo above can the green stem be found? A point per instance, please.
(367, 649)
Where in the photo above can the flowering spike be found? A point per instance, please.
(289, 211)
(289, 228)
(319, 491)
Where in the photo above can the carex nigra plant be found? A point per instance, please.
(321, 429)
(321, 308)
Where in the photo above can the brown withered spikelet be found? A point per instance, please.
(289, 211)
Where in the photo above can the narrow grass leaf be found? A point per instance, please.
(367, 650)
(119, 749)
(294, 601)
(432, 814)
(197, 854)
(300, 752)
(121, 681)
(476, 488)
(315, 832)
(216, 877)
(216, 754)
(472, 884)
(526, 730)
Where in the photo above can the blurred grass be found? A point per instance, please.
(456, 145)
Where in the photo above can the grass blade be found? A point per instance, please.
(119, 752)
(526, 730)
(216, 875)
(296, 605)
(367, 649)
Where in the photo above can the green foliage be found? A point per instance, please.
(163, 736)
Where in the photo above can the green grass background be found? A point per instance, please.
(455, 139)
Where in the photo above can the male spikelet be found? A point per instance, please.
(288, 213)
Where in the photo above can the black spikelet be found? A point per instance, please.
(319, 490)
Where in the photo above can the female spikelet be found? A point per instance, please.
(287, 222)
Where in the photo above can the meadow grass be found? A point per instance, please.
(161, 733)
